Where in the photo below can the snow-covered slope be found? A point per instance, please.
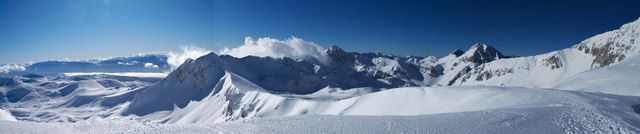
(67, 99)
(236, 98)
(236, 102)
(473, 109)
(553, 68)
(6, 116)
(622, 79)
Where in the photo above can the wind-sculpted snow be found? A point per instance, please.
(237, 98)
(234, 102)
(66, 99)
(472, 109)
(621, 79)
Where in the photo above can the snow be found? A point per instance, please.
(552, 69)
(6, 116)
(621, 79)
(561, 112)
(529, 71)
(67, 99)
(472, 122)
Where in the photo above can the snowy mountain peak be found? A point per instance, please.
(481, 47)
(550, 69)
(334, 48)
(339, 55)
(482, 53)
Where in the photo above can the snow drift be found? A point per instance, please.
(620, 79)
(6, 116)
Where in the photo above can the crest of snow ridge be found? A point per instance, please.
(612, 46)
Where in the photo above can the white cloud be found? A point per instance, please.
(293, 47)
(128, 63)
(150, 65)
(175, 59)
(11, 67)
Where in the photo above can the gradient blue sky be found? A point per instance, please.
(56, 29)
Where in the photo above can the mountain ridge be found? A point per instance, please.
(481, 64)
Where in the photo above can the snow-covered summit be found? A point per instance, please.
(338, 55)
(553, 68)
(482, 53)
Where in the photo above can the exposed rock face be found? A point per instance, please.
(604, 56)
(339, 55)
(553, 62)
(485, 75)
(465, 70)
(613, 46)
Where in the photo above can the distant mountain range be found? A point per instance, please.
(137, 63)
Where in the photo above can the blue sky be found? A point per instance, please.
(56, 29)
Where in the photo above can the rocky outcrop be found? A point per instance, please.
(553, 62)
